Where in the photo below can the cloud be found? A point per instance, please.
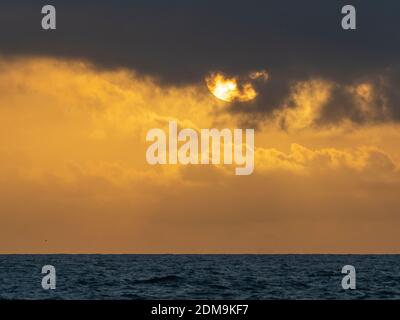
(73, 170)
(180, 43)
(363, 160)
(304, 105)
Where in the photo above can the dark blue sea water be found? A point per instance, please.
(200, 276)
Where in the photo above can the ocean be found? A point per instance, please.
(200, 276)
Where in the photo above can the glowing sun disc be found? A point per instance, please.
(227, 89)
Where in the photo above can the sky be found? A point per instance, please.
(76, 104)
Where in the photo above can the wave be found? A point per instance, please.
(163, 279)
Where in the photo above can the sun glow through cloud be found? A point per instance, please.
(227, 89)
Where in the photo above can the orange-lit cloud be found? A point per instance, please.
(74, 178)
(304, 105)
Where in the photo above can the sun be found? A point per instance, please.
(223, 88)
(227, 89)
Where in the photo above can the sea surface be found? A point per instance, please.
(200, 276)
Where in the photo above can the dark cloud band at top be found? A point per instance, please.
(180, 41)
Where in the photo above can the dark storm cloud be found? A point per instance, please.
(179, 41)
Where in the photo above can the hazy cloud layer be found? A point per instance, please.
(74, 178)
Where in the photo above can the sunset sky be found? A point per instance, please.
(76, 104)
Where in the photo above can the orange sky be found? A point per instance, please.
(74, 177)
